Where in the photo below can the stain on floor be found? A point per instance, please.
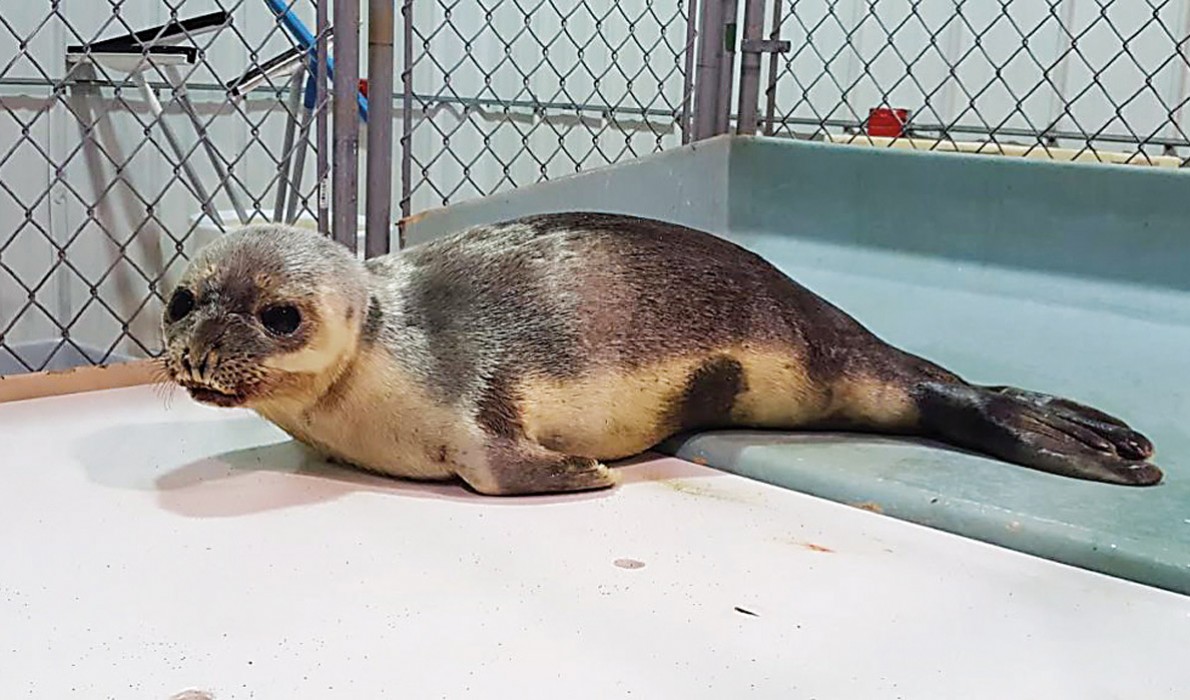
(695, 489)
(817, 548)
(193, 695)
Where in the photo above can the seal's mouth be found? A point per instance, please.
(215, 397)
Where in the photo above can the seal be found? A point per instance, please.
(524, 356)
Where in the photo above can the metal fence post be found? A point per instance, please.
(751, 47)
(322, 159)
(709, 71)
(380, 129)
(406, 118)
(728, 33)
(345, 87)
(692, 15)
(770, 91)
(750, 66)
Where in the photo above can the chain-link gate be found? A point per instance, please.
(135, 131)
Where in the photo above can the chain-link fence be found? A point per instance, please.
(511, 92)
(134, 131)
(1100, 80)
(130, 134)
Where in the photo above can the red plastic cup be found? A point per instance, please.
(885, 121)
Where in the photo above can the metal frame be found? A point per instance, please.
(715, 66)
(159, 47)
(720, 45)
(345, 76)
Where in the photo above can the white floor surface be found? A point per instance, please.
(150, 547)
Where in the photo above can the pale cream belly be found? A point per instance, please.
(409, 458)
(381, 420)
(611, 414)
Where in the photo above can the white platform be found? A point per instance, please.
(149, 551)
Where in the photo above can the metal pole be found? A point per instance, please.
(731, 10)
(283, 168)
(406, 119)
(706, 86)
(688, 83)
(299, 166)
(345, 127)
(750, 67)
(159, 112)
(179, 83)
(770, 91)
(380, 127)
(1178, 79)
(319, 77)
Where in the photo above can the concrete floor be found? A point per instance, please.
(153, 547)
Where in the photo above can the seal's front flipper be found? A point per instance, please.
(1035, 430)
(524, 469)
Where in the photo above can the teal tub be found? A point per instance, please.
(1071, 279)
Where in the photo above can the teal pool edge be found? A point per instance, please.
(1121, 227)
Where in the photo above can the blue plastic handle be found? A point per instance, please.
(306, 40)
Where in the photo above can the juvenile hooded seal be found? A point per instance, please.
(521, 357)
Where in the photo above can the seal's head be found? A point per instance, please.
(266, 312)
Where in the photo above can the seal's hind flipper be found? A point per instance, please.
(1036, 430)
(522, 468)
(1126, 441)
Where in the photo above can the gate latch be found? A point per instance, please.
(764, 46)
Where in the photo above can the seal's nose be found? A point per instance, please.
(185, 362)
(200, 361)
(207, 364)
(202, 355)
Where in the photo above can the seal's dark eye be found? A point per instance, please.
(180, 304)
(282, 319)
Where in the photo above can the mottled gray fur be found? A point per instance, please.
(556, 294)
